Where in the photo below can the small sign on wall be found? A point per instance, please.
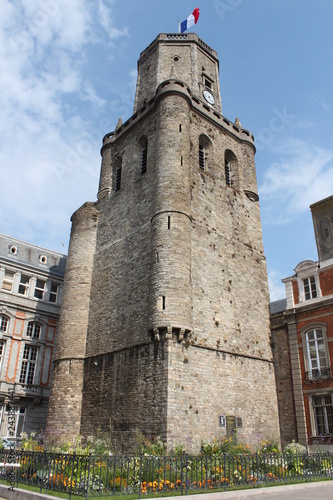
(222, 420)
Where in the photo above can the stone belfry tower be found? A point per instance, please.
(165, 326)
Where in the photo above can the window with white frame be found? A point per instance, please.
(310, 288)
(20, 421)
(4, 324)
(28, 366)
(24, 285)
(33, 330)
(316, 354)
(39, 289)
(2, 351)
(53, 292)
(8, 279)
(323, 414)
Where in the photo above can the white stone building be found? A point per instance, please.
(31, 283)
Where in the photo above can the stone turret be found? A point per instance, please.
(66, 395)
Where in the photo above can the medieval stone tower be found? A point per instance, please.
(165, 325)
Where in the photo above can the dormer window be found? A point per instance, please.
(310, 288)
(308, 282)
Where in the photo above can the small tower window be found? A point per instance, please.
(118, 178)
(144, 153)
(202, 158)
(227, 173)
(231, 169)
(205, 145)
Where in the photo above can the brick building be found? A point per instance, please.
(31, 282)
(164, 326)
(302, 339)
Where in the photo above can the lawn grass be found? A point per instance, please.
(133, 496)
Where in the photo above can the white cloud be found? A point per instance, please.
(302, 175)
(49, 152)
(276, 287)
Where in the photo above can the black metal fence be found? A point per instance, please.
(91, 476)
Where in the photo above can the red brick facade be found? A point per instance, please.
(304, 323)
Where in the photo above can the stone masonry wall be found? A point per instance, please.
(64, 414)
(280, 347)
(125, 394)
(205, 384)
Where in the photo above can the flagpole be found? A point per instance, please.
(178, 26)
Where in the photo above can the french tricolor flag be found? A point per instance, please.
(192, 19)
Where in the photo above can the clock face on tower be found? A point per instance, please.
(209, 97)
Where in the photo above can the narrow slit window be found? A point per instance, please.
(202, 159)
(231, 169)
(118, 178)
(227, 173)
(169, 221)
(157, 258)
(181, 161)
(163, 302)
(144, 154)
(180, 127)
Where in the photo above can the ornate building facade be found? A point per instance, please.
(165, 324)
(302, 338)
(31, 282)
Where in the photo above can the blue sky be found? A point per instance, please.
(68, 72)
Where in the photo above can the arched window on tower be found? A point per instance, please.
(231, 169)
(204, 147)
(202, 157)
(144, 154)
(117, 184)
